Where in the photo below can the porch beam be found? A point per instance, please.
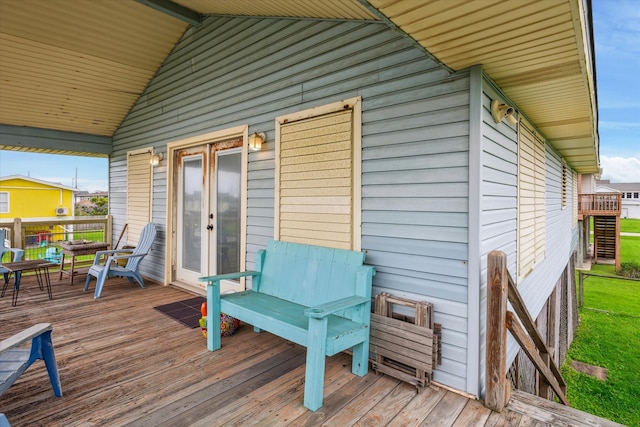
(25, 138)
(174, 9)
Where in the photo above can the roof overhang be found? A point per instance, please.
(63, 67)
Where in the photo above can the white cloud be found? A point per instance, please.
(620, 169)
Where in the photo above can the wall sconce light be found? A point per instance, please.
(256, 140)
(502, 111)
(155, 159)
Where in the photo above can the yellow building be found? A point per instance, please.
(26, 197)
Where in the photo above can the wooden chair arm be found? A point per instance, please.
(24, 336)
(100, 254)
(126, 256)
(17, 254)
(113, 251)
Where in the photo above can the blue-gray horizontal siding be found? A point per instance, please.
(560, 243)
(235, 71)
(499, 217)
(559, 240)
(499, 200)
(415, 174)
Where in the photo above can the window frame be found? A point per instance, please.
(8, 202)
(355, 105)
(574, 198)
(565, 183)
(137, 215)
(531, 238)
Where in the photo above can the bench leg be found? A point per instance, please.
(213, 316)
(314, 375)
(360, 362)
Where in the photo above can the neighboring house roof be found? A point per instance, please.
(618, 186)
(540, 55)
(603, 189)
(37, 181)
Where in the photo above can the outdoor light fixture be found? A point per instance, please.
(155, 159)
(502, 111)
(256, 140)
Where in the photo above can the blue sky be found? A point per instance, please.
(92, 172)
(617, 45)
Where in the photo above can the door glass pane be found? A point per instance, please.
(191, 213)
(228, 212)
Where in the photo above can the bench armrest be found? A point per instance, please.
(24, 336)
(320, 311)
(228, 276)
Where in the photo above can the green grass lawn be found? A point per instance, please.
(609, 336)
(630, 225)
(609, 340)
(630, 249)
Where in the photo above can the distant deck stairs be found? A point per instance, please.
(605, 237)
(605, 209)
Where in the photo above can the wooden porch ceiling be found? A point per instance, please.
(123, 363)
(63, 67)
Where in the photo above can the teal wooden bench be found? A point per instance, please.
(14, 359)
(314, 296)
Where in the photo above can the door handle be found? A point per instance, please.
(209, 227)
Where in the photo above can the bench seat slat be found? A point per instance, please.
(287, 320)
(18, 355)
(12, 364)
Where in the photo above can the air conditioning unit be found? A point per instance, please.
(62, 211)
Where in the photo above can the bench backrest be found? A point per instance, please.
(309, 275)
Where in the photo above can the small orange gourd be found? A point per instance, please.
(203, 309)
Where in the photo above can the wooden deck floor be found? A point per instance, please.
(123, 363)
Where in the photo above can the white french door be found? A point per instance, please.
(208, 207)
(192, 245)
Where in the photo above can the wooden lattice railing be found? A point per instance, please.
(36, 235)
(500, 288)
(608, 204)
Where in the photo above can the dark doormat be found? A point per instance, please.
(185, 311)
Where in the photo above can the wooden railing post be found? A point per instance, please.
(17, 233)
(500, 289)
(108, 231)
(496, 386)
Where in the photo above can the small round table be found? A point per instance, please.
(41, 269)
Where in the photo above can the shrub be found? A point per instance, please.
(630, 269)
